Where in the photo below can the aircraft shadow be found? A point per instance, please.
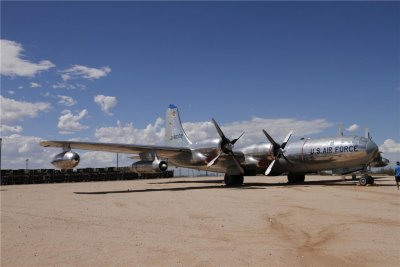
(220, 185)
(163, 189)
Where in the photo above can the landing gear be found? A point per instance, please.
(233, 180)
(295, 178)
(366, 179)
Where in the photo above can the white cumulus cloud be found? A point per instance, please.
(199, 131)
(353, 128)
(79, 71)
(66, 100)
(69, 123)
(10, 129)
(13, 110)
(152, 134)
(35, 85)
(17, 148)
(390, 146)
(277, 128)
(106, 103)
(13, 63)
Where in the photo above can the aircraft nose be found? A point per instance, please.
(372, 148)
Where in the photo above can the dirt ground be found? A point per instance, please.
(200, 222)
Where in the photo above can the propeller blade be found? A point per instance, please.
(234, 140)
(237, 163)
(271, 140)
(287, 159)
(218, 129)
(269, 169)
(213, 160)
(286, 139)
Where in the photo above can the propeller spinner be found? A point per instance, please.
(278, 150)
(226, 147)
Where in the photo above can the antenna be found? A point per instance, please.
(367, 134)
(341, 127)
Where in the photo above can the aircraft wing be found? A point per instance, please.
(162, 151)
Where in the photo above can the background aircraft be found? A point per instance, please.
(344, 154)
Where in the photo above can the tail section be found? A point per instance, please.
(174, 133)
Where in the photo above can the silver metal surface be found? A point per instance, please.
(66, 160)
(145, 166)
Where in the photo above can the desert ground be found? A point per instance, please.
(200, 222)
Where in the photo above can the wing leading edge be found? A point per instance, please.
(162, 151)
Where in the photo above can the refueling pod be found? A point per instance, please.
(148, 166)
(66, 160)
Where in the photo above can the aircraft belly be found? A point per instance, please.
(195, 160)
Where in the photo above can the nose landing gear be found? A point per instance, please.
(365, 180)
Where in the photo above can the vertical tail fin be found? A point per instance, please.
(174, 133)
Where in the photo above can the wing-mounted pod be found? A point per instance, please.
(155, 165)
(67, 159)
(148, 166)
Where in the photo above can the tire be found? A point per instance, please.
(239, 180)
(295, 178)
(363, 181)
(291, 178)
(229, 180)
(232, 180)
(301, 178)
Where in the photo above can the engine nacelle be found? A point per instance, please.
(148, 166)
(66, 160)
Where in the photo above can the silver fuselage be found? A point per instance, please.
(304, 156)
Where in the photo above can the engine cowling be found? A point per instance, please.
(66, 160)
(148, 166)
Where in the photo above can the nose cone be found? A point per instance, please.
(372, 148)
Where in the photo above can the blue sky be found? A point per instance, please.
(336, 62)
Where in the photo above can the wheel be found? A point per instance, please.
(291, 178)
(231, 180)
(363, 181)
(301, 178)
(295, 178)
(239, 180)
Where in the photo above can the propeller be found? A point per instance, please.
(278, 149)
(226, 147)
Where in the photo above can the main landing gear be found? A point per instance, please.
(233, 180)
(295, 178)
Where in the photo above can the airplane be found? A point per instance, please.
(297, 158)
